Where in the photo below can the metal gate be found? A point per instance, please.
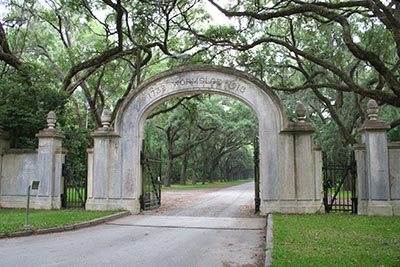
(340, 185)
(151, 181)
(75, 186)
(257, 174)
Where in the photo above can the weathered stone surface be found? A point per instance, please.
(20, 167)
(377, 164)
(116, 181)
(379, 208)
(396, 207)
(394, 170)
(318, 175)
(374, 187)
(362, 180)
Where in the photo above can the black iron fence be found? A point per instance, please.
(340, 194)
(75, 186)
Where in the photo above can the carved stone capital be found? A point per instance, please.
(104, 132)
(299, 128)
(50, 133)
(374, 125)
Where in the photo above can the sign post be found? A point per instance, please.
(34, 186)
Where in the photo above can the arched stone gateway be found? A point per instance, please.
(290, 169)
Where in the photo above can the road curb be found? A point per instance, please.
(268, 241)
(71, 227)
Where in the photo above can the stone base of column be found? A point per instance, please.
(396, 207)
(380, 208)
(292, 207)
(131, 205)
(362, 207)
(36, 202)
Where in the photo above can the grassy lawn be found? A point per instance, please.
(73, 194)
(13, 220)
(342, 193)
(199, 185)
(336, 240)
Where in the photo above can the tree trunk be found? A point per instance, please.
(167, 181)
(204, 170)
(184, 167)
(194, 178)
(214, 171)
(194, 171)
(226, 171)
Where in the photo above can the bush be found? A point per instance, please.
(26, 98)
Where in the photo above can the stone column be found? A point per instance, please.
(49, 166)
(362, 180)
(104, 169)
(89, 173)
(318, 175)
(394, 176)
(374, 136)
(302, 192)
(4, 145)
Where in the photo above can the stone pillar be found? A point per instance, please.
(90, 173)
(318, 175)
(374, 136)
(104, 169)
(394, 176)
(49, 166)
(4, 145)
(301, 188)
(362, 180)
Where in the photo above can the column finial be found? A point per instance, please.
(106, 118)
(301, 112)
(51, 119)
(372, 110)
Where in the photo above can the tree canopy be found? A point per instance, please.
(80, 57)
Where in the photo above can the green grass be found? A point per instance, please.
(72, 194)
(13, 220)
(199, 185)
(341, 194)
(332, 240)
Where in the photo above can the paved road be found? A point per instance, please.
(235, 201)
(211, 232)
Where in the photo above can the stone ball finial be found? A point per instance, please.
(301, 112)
(106, 118)
(372, 110)
(51, 119)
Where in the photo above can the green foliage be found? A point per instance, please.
(388, 113)
(229, 149)
(77, 139)
(25, 99)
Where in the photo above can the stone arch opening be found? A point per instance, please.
(212, 173)
(288, 180)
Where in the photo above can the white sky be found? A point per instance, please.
(218, 17)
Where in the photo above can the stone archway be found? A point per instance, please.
(289, 167)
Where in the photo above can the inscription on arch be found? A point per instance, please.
(194, 82)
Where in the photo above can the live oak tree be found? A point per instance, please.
(332, 55)
(182, 132)
(211, 135)
(97, 51)
(343, 52)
